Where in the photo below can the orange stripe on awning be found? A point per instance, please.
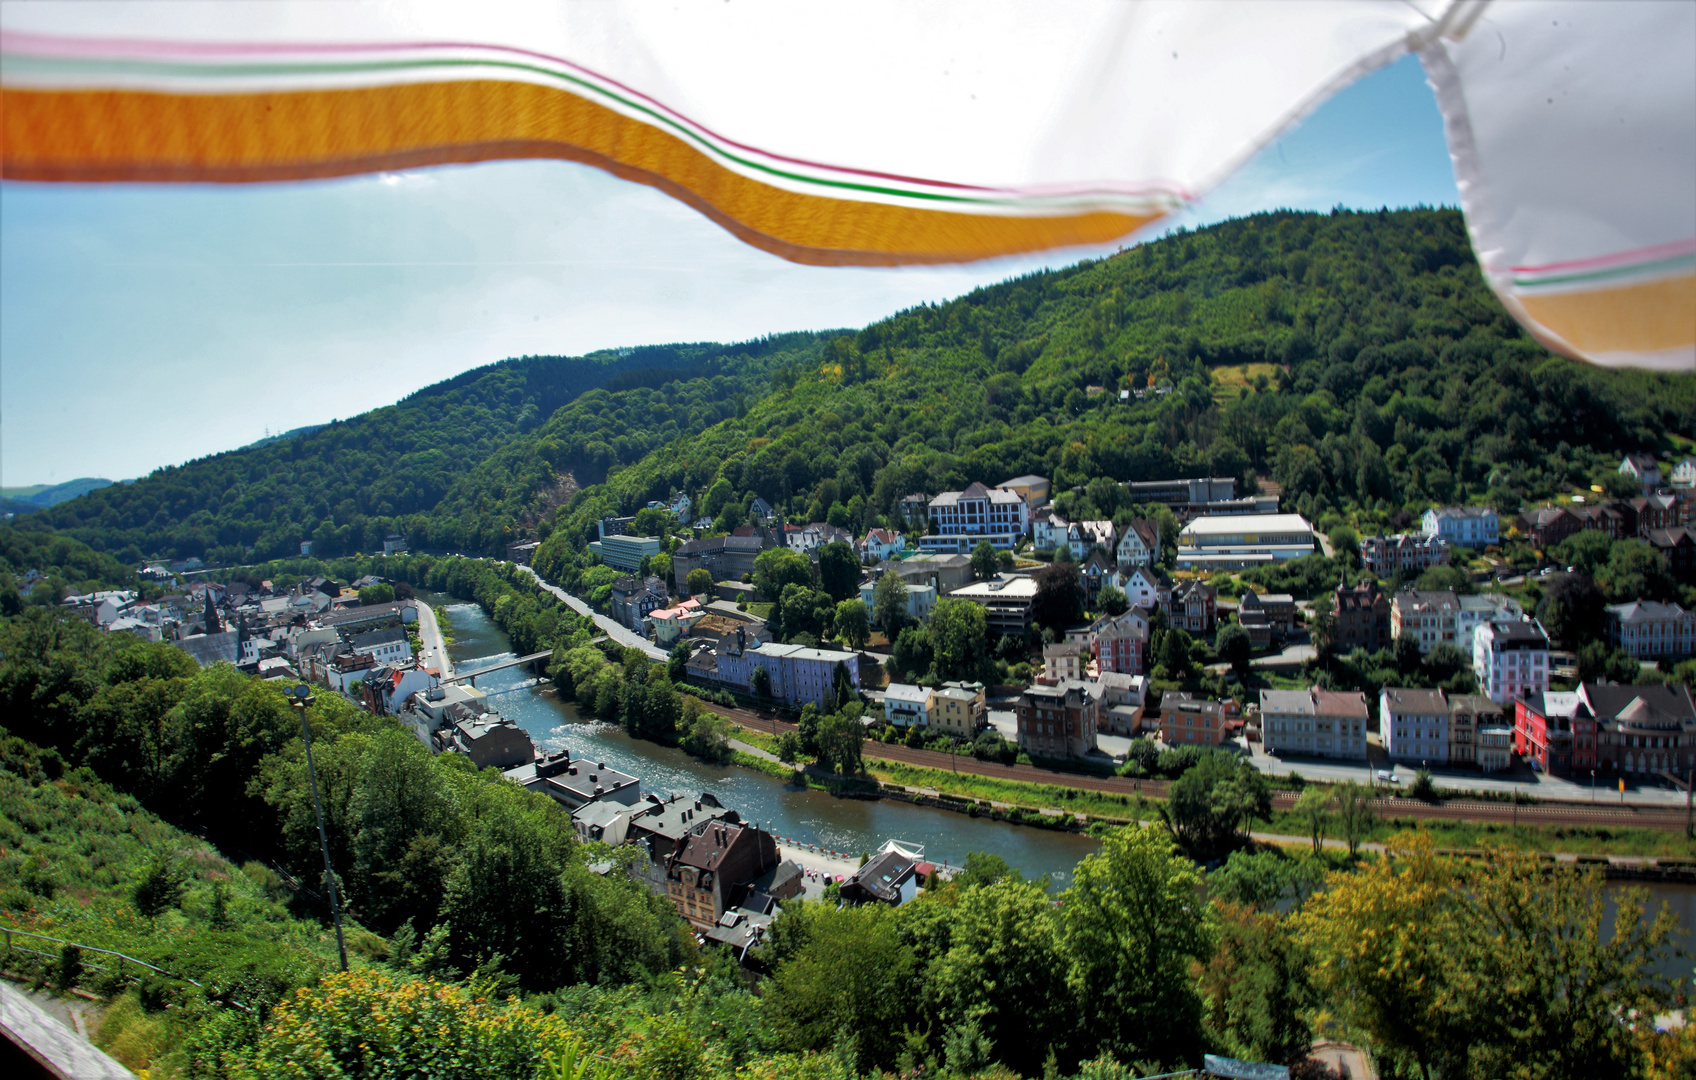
(132, 135)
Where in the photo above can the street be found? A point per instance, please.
(613, 630)
(433, 652)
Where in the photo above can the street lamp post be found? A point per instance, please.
(301, 698)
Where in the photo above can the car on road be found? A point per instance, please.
(1386, 776)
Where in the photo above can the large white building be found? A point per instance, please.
(959, 519)
(921, 599)
(1239, 541)
(1463, 526)
(1511, 660)
(1314, 722)
(1650, 630)
(1414, 725)
(798, 674)
(625, 552)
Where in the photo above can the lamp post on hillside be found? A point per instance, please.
(301, 697)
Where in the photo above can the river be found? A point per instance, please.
(811, 817)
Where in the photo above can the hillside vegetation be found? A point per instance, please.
(1357, 359)
(412, 467)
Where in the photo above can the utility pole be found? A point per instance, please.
(302, 698)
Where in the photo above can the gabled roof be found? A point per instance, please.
(1426, 702)
(1645, 611)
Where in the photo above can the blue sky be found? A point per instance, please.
(144, 325)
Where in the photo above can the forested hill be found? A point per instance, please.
(345, 485)
(1356, 358)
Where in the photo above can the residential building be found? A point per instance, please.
(1314, 722)
(1678, 547)
(633, 599)
(1140, 545)
(1464, 526)
(1495, 748)
(1006, 599)
(1555, 732)
(1047, 528)
(1656, 512)
(1363, 617)
(1547, 526)
(1122, 701)
(1275, 611)
(761, 511)
(1427, 616)
(490, 740)
(921, 599)
(878, 545)
(1652, 630)
(669, 624)
(1186, 720)
(1643, 468)
(1141, 588)
(726, 558)
(1062, 661)
(387, 646)
(713, 865)
(944, 573)
(1057, 721)
(1684, 474)
(1468, 715)
(1403, 553)
(659, 831)
(1475, 611)
(1192, 606)
(1240, 541)
(1643, 729)
(623, 552)
(1414, 725)
(907, 705)
(799, 675)
(1511, 659)
(1094, 572)
(960, 708)
(960, 519)
(1082, 537)
(1032, 489)
(573, 783)
(394, 544)
(1119, 642)
(891, 877)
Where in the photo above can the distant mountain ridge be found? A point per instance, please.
(41, 496)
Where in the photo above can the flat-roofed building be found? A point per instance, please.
(1240, 541)
(799, 675)
(1032, 489)
(1006, 599)
(1511, 659)
(623, 552)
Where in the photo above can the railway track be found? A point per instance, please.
(1468, 810)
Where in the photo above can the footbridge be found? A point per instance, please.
(537, 661)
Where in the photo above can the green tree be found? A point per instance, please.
(760, 682)
(1346, 543)
(889, 603)
(1130, 930)
(1207, 804)
(1111, 600)
(705, 734)
(779, 568)
(1004, 971)
(1355, 813)
(700, 582)
(1313, 808)
(959, 638)
(717, 497)
(1257, 988)
(839, 570)
(789, 748)
(840, 739)
(1232, 644)
(381, 593)
(848, 982)
(853, 625)
(1059, 600)
(984, 562)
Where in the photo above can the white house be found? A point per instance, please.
(1314, 722)
(1511, 660)
(798, 674)
(1647, 630)
(1475, 611)
(907, 705)
(1141, 588)
(880, 544)
(921, 599)
(1643, 468)
(1081, 536)
(1684, 473)
(385, 646)
(1414, 725)
(1463, 526)
(1140, 546)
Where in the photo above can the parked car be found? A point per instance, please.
(1386, 776)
